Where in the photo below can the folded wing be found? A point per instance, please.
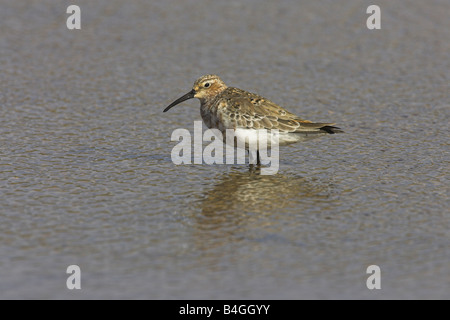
(251, 111)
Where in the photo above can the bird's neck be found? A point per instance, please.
(209, 99)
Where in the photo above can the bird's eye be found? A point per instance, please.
(206, 85)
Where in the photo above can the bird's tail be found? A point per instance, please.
(311, 127)
(331, 129)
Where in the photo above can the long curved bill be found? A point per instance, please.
(187, 96)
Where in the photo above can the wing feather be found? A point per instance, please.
(249, 110)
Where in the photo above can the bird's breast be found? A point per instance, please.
(214, 117)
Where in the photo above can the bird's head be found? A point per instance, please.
(205, 88)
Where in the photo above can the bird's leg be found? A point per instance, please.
(255, 169)
(249, 161)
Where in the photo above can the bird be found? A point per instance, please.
(223, 107)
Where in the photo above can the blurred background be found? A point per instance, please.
(86, 176)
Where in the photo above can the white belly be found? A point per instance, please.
(268, 138)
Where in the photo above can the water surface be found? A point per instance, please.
(86, 176)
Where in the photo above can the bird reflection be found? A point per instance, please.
(239, 193)
(244, 202)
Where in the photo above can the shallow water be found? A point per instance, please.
(86, 175)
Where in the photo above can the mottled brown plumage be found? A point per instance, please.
(225, 107)
(242, 109)
(230, 108)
